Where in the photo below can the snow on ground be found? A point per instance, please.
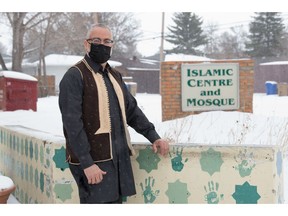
(268, 125)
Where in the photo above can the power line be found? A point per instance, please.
(220, 27)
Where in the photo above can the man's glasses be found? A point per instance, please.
(98, 41)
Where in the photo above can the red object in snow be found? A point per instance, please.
(18, 91)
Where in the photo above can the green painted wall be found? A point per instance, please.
(189, 174)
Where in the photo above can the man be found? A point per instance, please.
(96, 108)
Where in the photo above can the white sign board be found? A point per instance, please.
(210, 86)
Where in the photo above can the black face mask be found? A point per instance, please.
(100, 53)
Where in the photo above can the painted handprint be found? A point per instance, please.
(212, 196)
(246, 163)
(148, 193)
(177, 164)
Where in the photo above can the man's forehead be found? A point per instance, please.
(101, 31)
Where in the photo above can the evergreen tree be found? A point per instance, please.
(187, 34)
(265, 34)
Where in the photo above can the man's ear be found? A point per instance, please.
(86, 46)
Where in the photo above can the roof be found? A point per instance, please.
(137, 64)
(68, 60)
(275, 63)
(17, 75)
(183, 57)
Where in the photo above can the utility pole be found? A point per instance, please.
(162, 39)
(95, 17)
(161, 50)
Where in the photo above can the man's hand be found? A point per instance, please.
(161, 146)
(94, 174)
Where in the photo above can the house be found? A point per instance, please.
(57, 65)
(276, 71)
(144, 72)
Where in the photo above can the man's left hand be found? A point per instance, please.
(161, 146)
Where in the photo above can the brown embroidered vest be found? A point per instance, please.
(96, 115)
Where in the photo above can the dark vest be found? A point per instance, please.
(95, 106)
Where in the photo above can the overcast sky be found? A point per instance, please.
(220, 12)
(151, 26)
(143, 6)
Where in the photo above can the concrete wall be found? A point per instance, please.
(189, 174)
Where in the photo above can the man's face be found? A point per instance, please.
(98, 35)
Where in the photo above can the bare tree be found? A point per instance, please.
(72, 29)
(125, 31)
(211, 48)
(21, 23)
(232, 45)
(2, 63)
(64, 33)
(2, 48)
(69, 33)
(284, 42)
(45, 30)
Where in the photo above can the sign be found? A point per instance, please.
(210, 86)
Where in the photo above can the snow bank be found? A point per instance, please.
(268, 125)
(5, 182)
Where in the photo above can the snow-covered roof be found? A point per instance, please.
(25, 63)
(142, 69)
(55, 59)
(69, 60)
(149, 61)
(275, 63)
(17, 75)
(183, 57)
(114, 63)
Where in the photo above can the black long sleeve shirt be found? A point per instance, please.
(70, 103)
